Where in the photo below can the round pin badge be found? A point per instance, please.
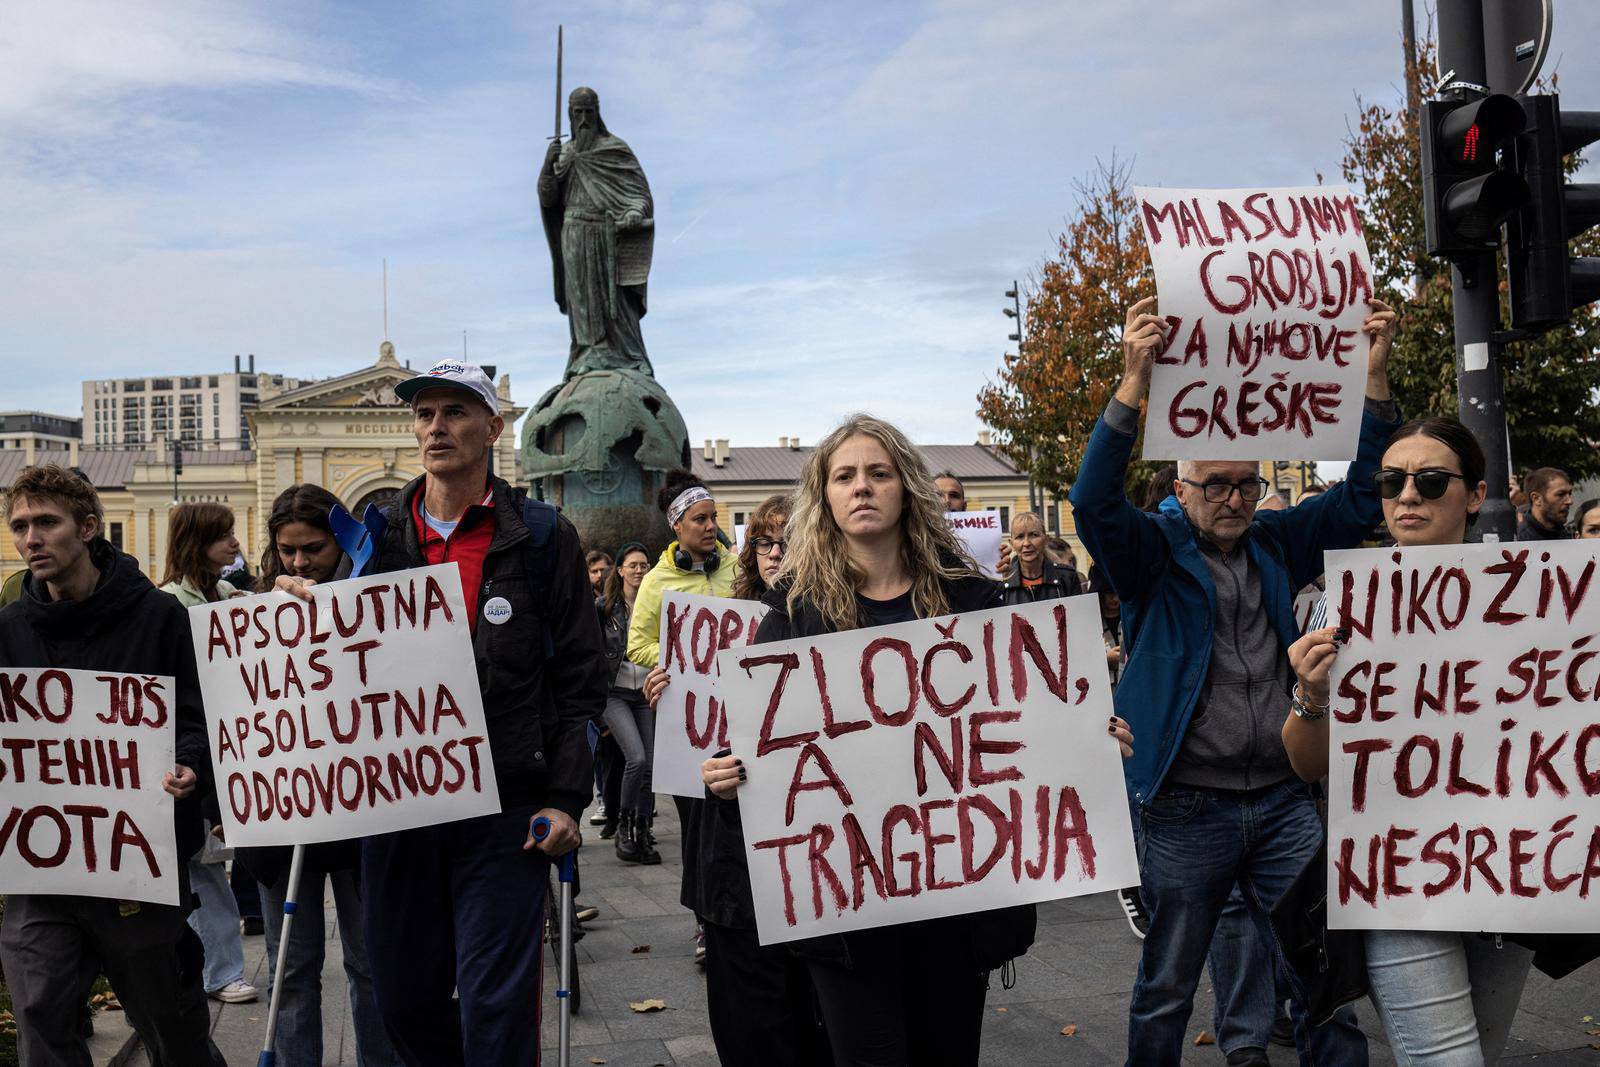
(498, 611)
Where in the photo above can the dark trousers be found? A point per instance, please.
(911, 995)
(457, 907)
(53, 947)
(761, 1003)
(246, 893)
(611, 766)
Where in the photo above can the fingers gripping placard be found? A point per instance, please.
(691, 722)
(82, 810)
(1464, 763)
(929, 768)
(1264, 292)
(356, 714)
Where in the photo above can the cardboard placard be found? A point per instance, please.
(1265, 291)
(357, 714)
(690, 721)
(929, 768)
(982, 533)
(1464, 773)
(82, 810)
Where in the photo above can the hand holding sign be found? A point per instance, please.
(1143, 335)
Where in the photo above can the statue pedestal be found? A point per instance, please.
(598, 445)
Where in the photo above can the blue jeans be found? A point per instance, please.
(457, 908)
(299, 1036)
(1446, 999)
(1241, 966)
(217, 923)
(1194, 845)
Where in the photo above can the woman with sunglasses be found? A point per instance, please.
(628, 714)
(1444, 997)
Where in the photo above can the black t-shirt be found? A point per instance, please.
(887, 612)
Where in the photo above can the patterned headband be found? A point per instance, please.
(684, 501)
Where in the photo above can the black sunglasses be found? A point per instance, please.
(1432, 483)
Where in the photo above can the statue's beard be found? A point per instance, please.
(583, 138)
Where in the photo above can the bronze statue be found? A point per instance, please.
(600, 222)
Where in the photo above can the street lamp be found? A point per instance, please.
(1015, 312)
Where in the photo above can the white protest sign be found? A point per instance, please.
(1464, 774)
(690, 720)
(928, 768)
(1265, 291)
(82, 810)
(357, 714)
(982, 533)
(1305, 605)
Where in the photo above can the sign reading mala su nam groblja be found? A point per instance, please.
(690, 720)
(1464, 762)
(929, 768)
(353, 715)
(82, 810)
(1265, 291)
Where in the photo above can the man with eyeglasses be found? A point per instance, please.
(1207, 588)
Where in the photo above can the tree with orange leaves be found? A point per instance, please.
(1048, 394)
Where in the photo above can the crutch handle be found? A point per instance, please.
(566, 865)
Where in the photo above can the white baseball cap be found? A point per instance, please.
(453, 373)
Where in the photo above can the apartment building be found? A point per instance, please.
(205, 411)
(38, 430)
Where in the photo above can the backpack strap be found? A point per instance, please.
(541, 520)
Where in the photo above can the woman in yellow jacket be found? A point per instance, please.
(693, 563)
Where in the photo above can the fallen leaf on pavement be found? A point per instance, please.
(1002, 1010)
(1205, 1039)
(1069, 1030)
(596, 1059)
(646, 1006)
(639, 948)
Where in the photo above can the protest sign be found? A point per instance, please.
(1465, 739)
(356, 714)
(690, 720)
(928, 768)
(1265, 291)
(1305, 605)
(982, 533)
(82, 810)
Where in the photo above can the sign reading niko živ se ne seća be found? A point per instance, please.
(691, 720)
(1464, 773)
(1265, 291)
(928, 768)
(356, 714)
(82, 811)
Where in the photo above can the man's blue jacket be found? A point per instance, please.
(1169, 602)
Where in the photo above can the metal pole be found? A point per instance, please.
(1474, 289)
(290, 903)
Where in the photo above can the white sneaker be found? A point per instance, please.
(599, 816)
(240, 992)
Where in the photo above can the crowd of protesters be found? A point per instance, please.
(1221, 698)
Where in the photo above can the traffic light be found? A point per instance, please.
(1465, 196)
(1546, 282)
(177, 458)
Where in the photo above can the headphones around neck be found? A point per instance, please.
(685, 562)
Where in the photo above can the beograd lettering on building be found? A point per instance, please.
(357, 709)
(928, 768)
(82, 810)
(1465, 767)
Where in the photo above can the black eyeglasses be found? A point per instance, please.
(1250, 490)
(1432, 482)
(765, 545)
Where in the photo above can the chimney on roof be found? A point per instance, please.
(27, 451)
(783, 442)
(720, 456)
(985, 438)
(252, 363)
(236, 363)
(794, 444)
(708, 453)
(72, 452)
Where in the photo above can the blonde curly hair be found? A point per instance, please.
(818, 564)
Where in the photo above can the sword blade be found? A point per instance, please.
(558, 82)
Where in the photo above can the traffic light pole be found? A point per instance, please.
(1475, 289)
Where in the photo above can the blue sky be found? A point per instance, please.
(843, 190)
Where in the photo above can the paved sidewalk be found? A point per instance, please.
(1079, 972)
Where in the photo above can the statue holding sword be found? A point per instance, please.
(599, 218)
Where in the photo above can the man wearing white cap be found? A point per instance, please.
(472, 892)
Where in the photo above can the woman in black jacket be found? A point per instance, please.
(869, 547)
(1034, 575)
(629, 717)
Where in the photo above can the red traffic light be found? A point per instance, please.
(1473, 133)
